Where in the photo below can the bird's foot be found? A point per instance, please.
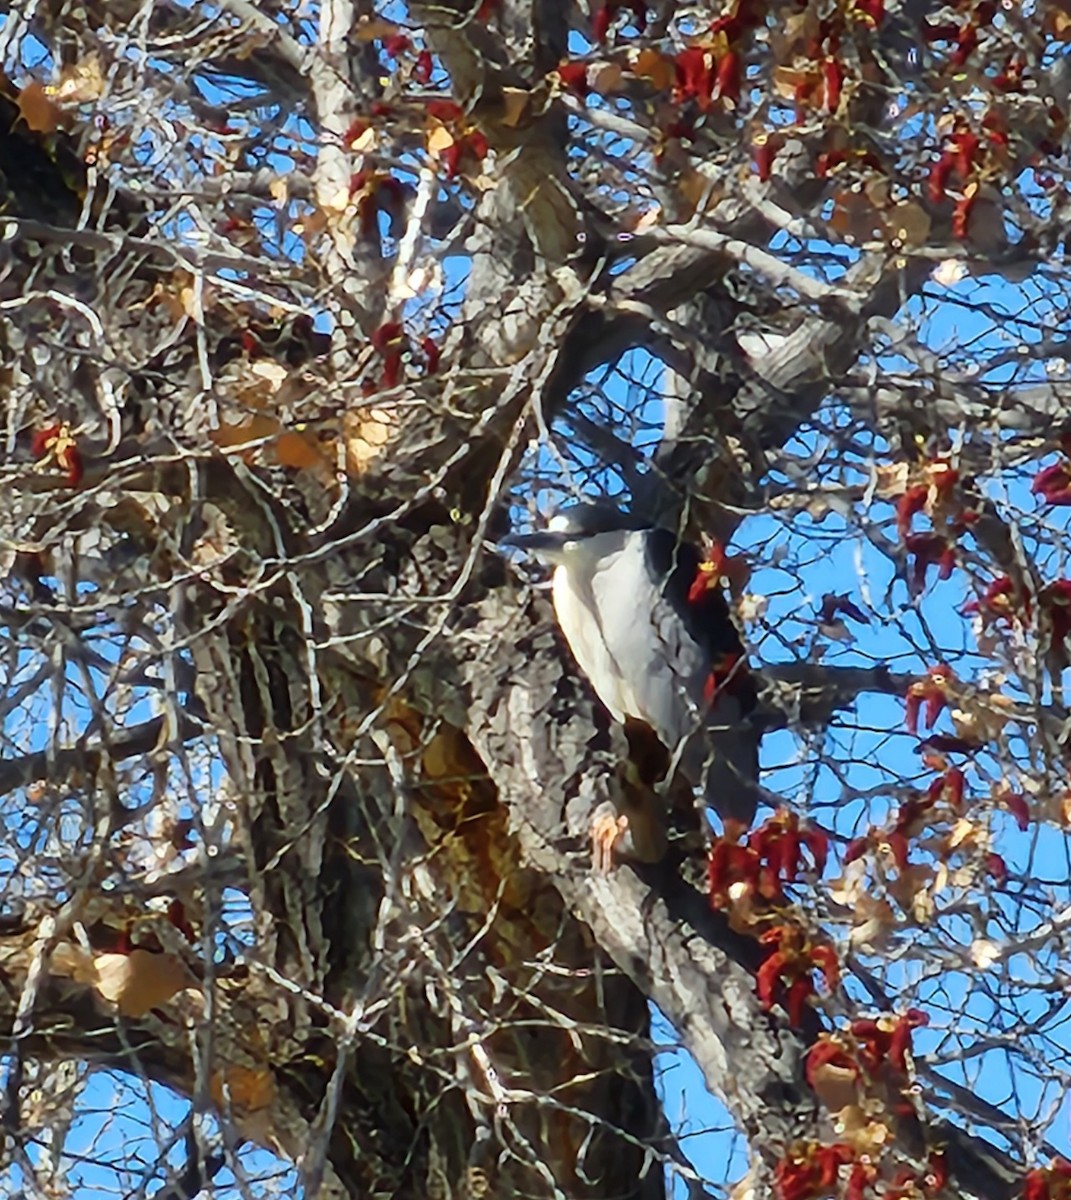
(608, 829)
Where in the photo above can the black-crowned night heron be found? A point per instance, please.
(648, 623)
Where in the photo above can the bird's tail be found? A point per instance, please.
(722, 760)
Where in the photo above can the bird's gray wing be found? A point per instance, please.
(663, 666)
(665, 672)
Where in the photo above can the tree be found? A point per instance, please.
(301, 307)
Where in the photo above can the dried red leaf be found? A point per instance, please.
(1017, 805)
(872, 11)
(832, 84)
(397, 45)
(929, 549)
(796, 997)
(44, 439)
(940, 176)
(911, 502)
(424, 67)
(390, 332)
(446, 111)
(996, 867)
(811, 1171)
(839, 605)
(897, 844)
(1054, 601)
(900, 1039)
(1053, 484)
(356, 129)
(931, 691)
(945, 31)
(961, 216)
(432, 354)
(763, 151)
(574, 77)
(451, 159)
(728, 78)
(694, 68)
(966, 44)
(392, 369)
(857, 847)
(825, 1053)
(477, 145)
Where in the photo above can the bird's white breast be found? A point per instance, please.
(578, 616)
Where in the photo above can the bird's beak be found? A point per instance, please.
(545, 544)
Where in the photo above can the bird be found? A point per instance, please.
(647, 621)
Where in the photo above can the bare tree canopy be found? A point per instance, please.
(303, 307)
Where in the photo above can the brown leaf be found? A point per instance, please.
(908, 222)
(605, 78)
(253, 429)
(40, 112)
(140, 981)
(892, 479)
(855, 217)
(300, 451)
(835, 1086)
(246, 1088)
(515, 102)
(374, 29)
(658, 70)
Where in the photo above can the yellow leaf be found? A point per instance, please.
(365, 141)
(857, 1127)
(963, 831)
(439, 139)
(243, 433)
